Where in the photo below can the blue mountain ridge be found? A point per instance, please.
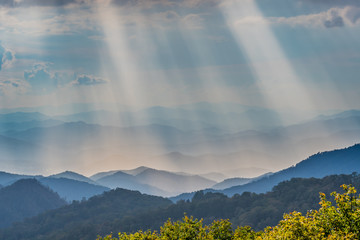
(340, 161)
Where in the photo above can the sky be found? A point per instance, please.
(297, 59)
(299, 55)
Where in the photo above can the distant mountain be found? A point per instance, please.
(70, 189)
(99, 175)
(73, 176)
(231, 182)
(191, 151)
(21, 126)
(26, 198)
(230, 164)
(135, 171)
(69, 185)
(81, 134)
(22, 117)
(87, 219)
(152, 181)
(172, 182)
(123, 180)
(9, 178)
(342, 161)
(344, 114)
(220, 116)
(215, 176)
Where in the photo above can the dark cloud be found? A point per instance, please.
(45, 3)
(41, 79)
(6, 57)
(333, 3)
(353, 15)
(167, 3)
(86, 80)
(336, 21)
(7, 3)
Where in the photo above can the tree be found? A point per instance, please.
(339, 221)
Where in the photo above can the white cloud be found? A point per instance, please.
(193, 21)
(13, 86)
(7, 57)
(334, 17)
(36, 21)
(41, 79)
(87, 80)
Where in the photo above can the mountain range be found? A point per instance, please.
(122, 210)
(203, 150)
(341, 161)
(74, 186)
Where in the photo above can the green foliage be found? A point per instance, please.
(340, 221)
(187, 229)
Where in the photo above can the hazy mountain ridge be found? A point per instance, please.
(70, 189)
(22, 117)
(21, 126)
(64, 184)
(185, 117)
(73, 186)
(9, 178)
(172, 182)
(121, 179)
(340, 161)
(73, 176)
(153, 181)
(231, 182)
(188, 150)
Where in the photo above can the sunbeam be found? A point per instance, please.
(195, 86)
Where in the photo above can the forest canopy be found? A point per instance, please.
(333, 220)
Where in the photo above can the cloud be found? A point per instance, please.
(335, 21)
(332, 18)
(142, 4)
(45, 3)
(41, 79)
(7, 57)
(332, 3)
(193, 21)
(87, 80)
(12, 86)
(352, 14)
(146, 4)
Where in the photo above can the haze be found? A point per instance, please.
(198, 86)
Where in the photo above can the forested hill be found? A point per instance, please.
(342, 161)
(255, 210)
(26, 198)
(122, 210)
(86, 219)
